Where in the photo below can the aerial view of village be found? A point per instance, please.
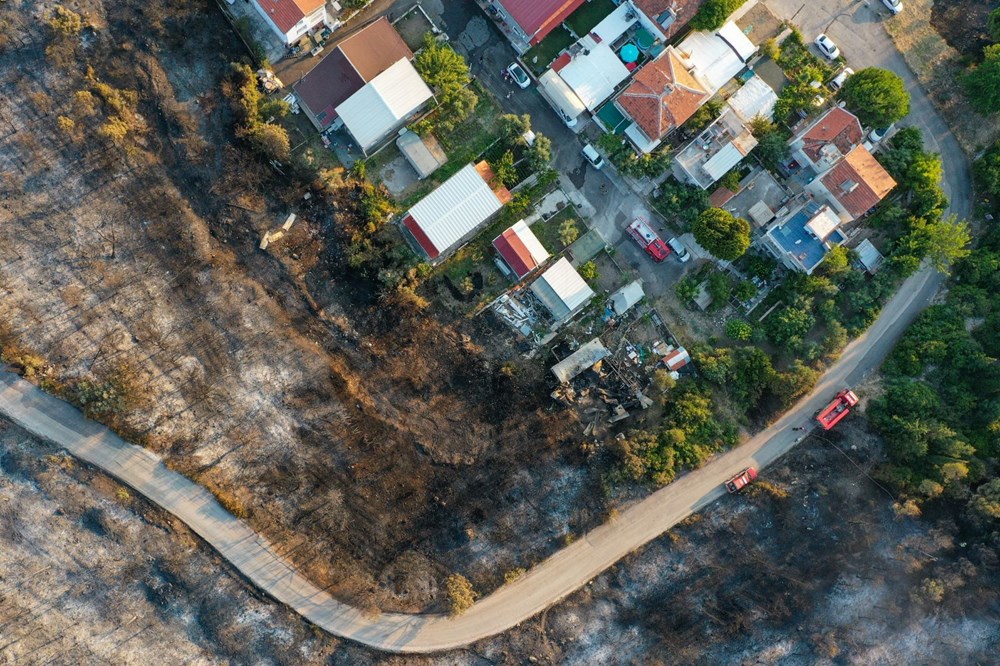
(461, 332)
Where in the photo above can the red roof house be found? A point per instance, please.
(858, 182)
(537, 18)
(520, 249)
(291, 19)
(831, 137)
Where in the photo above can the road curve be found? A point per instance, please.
(56, 421)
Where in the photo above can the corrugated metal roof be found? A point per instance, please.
(755, 98)
(724, 160)
(623, 299)
(521, 249)
(717, 58)
(538, 18)
(562, 290)
(585, 357)
(379, 107)
(454, 209)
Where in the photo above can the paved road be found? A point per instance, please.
(567, 570)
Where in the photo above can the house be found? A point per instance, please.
(290, 19)
(424, 153)
(590, 68)
(349, 66)
(527, 22)
(660, 98)
(754, 99)
(383, 104)
(715, 58)
(855, 185)
(801, 239)
(520, 250)
(449, 216)
(562, 291)
(667, 16)
(586, 357)
(823, 143)
(717, 149)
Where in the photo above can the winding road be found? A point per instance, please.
(564, 572)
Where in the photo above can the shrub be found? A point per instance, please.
(737, 329)
(461, 595)
(65, 22)
(588, 271)
(568, 232)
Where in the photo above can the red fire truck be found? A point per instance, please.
(643, 234)
(741, 480)
(840, 407)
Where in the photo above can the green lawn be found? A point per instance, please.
(547, 231)
(583, 20)
(541, 54)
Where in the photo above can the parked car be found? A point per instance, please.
(679, 250)
(741, 480)
(895, 6)
(840, 79)
(827, 47)
(520, 76)
(593, 156)
(877, 135)
(316, 50)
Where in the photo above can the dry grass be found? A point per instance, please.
(937, 67)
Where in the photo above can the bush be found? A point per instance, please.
(65, 22)
(712, 14)
(982, 84)
(737, 329)
(461, 595)
(588, 271)
(986, 170)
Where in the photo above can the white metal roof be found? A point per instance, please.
(562, 290)
(379, 107)
(455, 208)
(755, 98)
(635, 133)
(593, 76)
(623, 299)
(585, 357)
(729, 156)
(716, 58)
(869, 256)
(423, 153)
(531, 242)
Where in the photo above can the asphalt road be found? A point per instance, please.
(572, 567)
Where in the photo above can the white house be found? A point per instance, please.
(384, 104)
(290, 19)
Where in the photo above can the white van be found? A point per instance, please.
(561, 97)
(680, 251)
(593, 156)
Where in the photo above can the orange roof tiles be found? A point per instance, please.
(836, 126)
(286, 13)
(858, 181)
(662, 95)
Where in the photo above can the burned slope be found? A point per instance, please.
(350, 434)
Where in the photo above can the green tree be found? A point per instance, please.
(982, 83)
(679, 201)
(461, 594)
(647, 456)
(986, 169)
(568, 232)
(457, 104)
(837, 261)
(737, 329)
(877, 97)
(725, 236)
(539, 155)
(686, 289)
(744, 291)
(446, 71)
(511, 126)
(588, 271)
(65, 21)
(986, 501)
(504, 171)
(271, 141)
(789, 325)
(791, 385)
(993, 25)
(720, 288)
(753, 375)
(944, 241)
(712, 14)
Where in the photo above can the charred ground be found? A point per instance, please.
(381, 449)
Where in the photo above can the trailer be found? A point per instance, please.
(648, 240)
(838, 408)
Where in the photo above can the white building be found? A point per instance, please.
(717, 149)
(562, 291)
(384, 104)
(291, 19)
(449, 216)
(715, 58)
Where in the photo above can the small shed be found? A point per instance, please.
(622, 300)
(582, 359)
(424, 153)
(761, 213)
(676, 358)
(869, 256)
(520, 249)
(562, 291)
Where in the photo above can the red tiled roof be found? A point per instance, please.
(662, 95)
(684, 10)
(286, 13)
(538, 18)
(858, 181)
(836, 126)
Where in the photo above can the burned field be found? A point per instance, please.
(962, 23)
(381, 448)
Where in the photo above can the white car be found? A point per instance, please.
(894, 6)
(827, 47)
(593, 156)
(840, 79)
(680, 251)
(520, 76)
(877, 135)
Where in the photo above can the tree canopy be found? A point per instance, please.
(713, 14)
(876, 96)
(445, 70)
(982, 83)
(987, 171)
(725, 236)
